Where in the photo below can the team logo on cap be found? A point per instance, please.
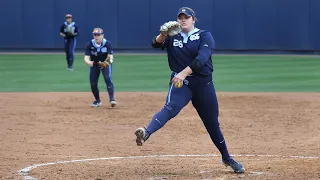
(97, 31)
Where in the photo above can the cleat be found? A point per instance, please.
(113, 103)
(142, 136)
(69, 69)
(236, 167)
(96, 104)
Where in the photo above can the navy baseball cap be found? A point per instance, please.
(187, 11)
(97, 31)
(68, 15)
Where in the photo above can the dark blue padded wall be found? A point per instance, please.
(234, 24)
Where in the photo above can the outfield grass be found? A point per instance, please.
(151, 73)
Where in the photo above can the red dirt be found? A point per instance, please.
(49, 127)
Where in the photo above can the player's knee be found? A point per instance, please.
(173, 109)
(108, 81)
(93, 84)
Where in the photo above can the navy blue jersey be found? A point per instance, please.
(98, 53)
(69, 29)
(182, 49)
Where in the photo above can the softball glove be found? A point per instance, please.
(170, 28)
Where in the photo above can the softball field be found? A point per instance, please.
(269, 114)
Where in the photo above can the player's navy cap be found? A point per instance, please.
(68, 15)
(187, 11)
(97, 31)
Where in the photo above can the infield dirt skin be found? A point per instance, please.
(40, 128)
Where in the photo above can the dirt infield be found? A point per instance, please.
(275, 136)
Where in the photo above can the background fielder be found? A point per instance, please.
(99, 57)
(69, 30)
(189, 56)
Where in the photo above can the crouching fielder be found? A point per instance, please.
(99, 57)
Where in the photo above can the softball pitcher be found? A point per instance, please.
(189, 51)
(99, 57)
(69, 30)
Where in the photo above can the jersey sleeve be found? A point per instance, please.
(166, 43)
(110, 48)
(76, 30)
(88, 49)
(206, 47)
(163, 45)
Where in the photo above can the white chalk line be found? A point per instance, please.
(25, 171)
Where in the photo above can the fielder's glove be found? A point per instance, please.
(170, 28)
(105, 63)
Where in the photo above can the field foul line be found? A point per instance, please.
(25, 171)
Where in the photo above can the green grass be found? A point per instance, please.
(26, 73)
